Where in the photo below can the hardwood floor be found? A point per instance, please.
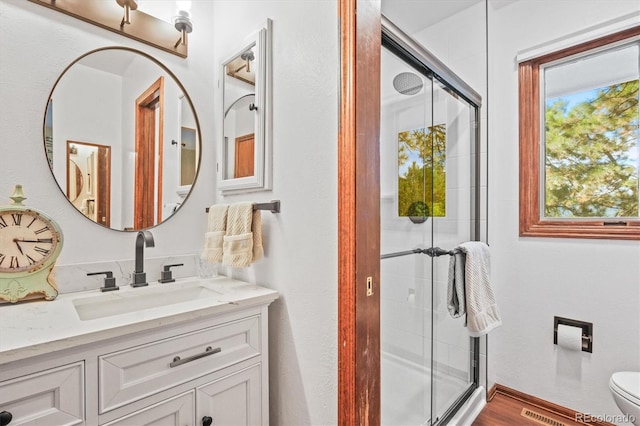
(504, 410)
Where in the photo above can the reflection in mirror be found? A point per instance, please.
(89, 180)
(74, 181)
(188, 145)
(114, 118)
(239, 138)
(246, 144)
(242, 67)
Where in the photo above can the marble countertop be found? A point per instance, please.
(72, 319)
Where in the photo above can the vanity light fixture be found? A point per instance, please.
(128, 6)
(144, 27)
(182, 21)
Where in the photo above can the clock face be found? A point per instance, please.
(27, 240)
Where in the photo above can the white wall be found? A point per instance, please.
(300, 242)
(536, 278)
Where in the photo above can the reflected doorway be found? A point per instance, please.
(89, 180)
(148, 173)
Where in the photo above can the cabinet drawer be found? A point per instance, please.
(135, 373)
(52, 397)
(177, 411)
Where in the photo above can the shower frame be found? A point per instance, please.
(410, 51)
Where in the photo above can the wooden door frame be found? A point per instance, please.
(146, 156)
(359, 214)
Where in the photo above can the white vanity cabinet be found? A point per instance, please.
(51, 397)
(231, 400)
(202, 367)
(135, 373)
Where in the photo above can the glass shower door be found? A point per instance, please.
(428, 199)
(405, 296)
(452, 348)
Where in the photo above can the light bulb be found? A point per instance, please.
(183, 5)
(182, 21)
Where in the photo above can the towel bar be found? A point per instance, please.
(273, 206)
(431, 251)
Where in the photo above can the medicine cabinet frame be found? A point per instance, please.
(260, 43)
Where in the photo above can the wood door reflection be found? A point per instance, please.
(148, 173)
(244, 153)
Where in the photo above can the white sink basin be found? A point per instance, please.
(138, 299)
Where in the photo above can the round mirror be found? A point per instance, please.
(122, 138)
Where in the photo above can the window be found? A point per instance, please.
(422, 188)
(580, 140)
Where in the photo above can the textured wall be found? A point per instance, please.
(590, 280)
(300, 243)
(302, 240)
(37, 45)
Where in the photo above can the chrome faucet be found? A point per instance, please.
(139, 276)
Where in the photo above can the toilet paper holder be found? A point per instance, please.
(587, 331)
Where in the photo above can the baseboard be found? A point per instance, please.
(541, 403)
(492, 392)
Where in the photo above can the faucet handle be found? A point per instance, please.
(109, 281)
(165, 274)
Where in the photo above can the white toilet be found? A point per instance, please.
(625, 387)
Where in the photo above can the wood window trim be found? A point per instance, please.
(531, 225)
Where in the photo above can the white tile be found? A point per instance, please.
(459, 360)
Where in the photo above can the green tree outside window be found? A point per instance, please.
(592, 154)
(422, 185)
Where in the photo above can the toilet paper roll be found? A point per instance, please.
(570, 337)
(411, 298)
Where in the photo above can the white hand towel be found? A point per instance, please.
(243, 240)
(216, 230)
(482, 311)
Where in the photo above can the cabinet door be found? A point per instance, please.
(51, 397)
(177, 411)
(234, 400)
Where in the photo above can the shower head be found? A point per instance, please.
(407, 83)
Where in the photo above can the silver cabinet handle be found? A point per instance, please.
(208, 351)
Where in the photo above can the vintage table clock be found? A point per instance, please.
(30, 243)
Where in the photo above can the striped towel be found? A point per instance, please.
(482, 311)
(216, 230)
(243, 240)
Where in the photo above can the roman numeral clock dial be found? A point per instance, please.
(27, 241)
(30, 242)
